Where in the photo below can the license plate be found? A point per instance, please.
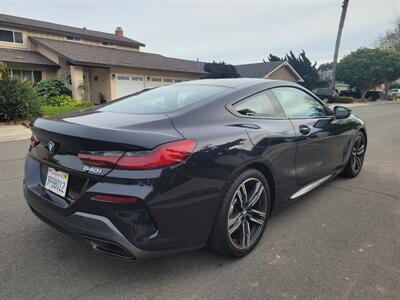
(57, 182)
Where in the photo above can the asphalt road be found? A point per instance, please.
(341, 241)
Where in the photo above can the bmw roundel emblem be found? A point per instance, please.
(52, 147)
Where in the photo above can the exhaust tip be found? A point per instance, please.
(109, 248)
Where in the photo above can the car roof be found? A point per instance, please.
(234, 82)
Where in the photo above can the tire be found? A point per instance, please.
(354, 164)
(234, 213)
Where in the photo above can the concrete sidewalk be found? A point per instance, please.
(14, 133)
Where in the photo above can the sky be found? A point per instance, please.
(236, 32)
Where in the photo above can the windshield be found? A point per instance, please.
(164, 99)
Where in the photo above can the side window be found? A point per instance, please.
(298, 104)
(261, 104)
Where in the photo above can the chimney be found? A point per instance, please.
(119, 31)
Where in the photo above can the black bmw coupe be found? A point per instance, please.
(179, 167)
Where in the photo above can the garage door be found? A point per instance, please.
(129, 84)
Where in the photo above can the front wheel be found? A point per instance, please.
(356, 159)
(242, 216)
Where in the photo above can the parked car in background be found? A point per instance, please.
(326, 94)
(394, 92)
(373, 95)
(356, 93)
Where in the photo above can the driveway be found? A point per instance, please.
(341, 241)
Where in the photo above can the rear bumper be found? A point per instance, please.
(97, 230)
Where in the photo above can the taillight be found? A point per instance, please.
(106, 159)
(34, 141)
(160, 157)
(114, 199)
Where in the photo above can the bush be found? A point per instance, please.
(65, 100)
(343, 99)
(18, 101)
(51, 88)
(61, 100)
(59, 110)
(85, 104)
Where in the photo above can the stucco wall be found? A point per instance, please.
(283, 73)
(100, 82)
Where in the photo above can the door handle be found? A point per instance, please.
(304, 129)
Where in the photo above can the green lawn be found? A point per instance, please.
(60, 110)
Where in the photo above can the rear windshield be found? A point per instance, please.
(164, 99)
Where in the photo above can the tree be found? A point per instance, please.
(325, 66)
(368, 68)
(391, 39)
(337, 44)
(17, 98)
(272, 57)
(220, 70)
(303, 67)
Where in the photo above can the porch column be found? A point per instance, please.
(78, 91)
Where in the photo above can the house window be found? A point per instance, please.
(178, 80)
(169, 80)
(156, 79)
(11, 36)
(72, 38)
(37, 76)
(26, 75)
(107, 44)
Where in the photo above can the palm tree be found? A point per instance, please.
(339, 35)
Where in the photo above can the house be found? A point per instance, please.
(95, 65)
(281, 70)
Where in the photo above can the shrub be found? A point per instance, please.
(61, 100)
(18, 101)
(343, 99)
(59, 110)
(65, 100)
(84, 104)
(51, 88)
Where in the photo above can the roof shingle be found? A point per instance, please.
(25, 57)
(82, 54)
(68, 30)
(257, 70)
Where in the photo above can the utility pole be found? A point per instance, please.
(339, 36)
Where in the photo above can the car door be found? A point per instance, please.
(273, 136)
(321, 142)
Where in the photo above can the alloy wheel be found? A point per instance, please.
(247, 213)
(357, 154)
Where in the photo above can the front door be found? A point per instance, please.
(320, 142)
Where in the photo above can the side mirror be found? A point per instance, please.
(341, 112)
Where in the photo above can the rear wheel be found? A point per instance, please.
(242, 216)
(356, 160)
